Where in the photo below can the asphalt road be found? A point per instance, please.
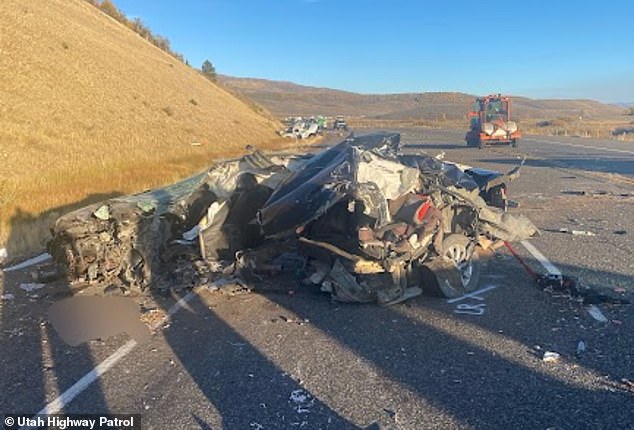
(286, 357)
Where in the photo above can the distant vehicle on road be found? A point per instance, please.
(340, 123)
(490, 122)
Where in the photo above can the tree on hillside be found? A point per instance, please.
(209, 71)
(109, 8)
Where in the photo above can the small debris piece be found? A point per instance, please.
(7, 296)
(390, 413)
(551, 357)
(191, 234)
(581, 348)
(317, 277)
(29, 287)
(596, 313)
(146, 206)
(153, 318)
(620, 232)
(628, 383)
(4, 255)
(302, 401)
(582, 233)
(577, 232)
(102, 213)
(48, 273)
(231, 285)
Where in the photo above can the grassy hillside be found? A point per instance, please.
(90, 109)
(285, 98)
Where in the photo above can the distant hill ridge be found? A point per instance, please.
(286, 98)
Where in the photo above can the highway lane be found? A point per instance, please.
(276, 360)
(601, 156)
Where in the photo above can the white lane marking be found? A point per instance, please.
(78, 387)
(594, 311)
(58, 404)
(30, 262)
(473, 294)
(598, 148)
(550, 267)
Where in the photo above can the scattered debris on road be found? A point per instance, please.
(597, 193)
(577, 232)
(558, 283)
(361, 219)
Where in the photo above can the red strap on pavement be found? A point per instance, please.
(530, 271)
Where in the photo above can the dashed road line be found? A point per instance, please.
(550, 267)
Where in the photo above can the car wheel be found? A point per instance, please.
(461, 251)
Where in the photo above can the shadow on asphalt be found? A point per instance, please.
(241, 383)
(465, 378)
(619, 166)
(487, 391)
(424, 146)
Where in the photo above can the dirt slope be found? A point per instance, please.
(89, 107)
(286, 98)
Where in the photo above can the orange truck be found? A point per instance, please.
(490, 122)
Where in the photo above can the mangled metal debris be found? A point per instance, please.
(371, 223)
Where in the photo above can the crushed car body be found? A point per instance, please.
(371, 223)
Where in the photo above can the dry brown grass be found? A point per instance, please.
(602, 129)
(89, 108)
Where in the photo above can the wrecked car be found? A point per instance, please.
(371, 223)
(301, 129)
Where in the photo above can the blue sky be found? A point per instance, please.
(540, 49)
